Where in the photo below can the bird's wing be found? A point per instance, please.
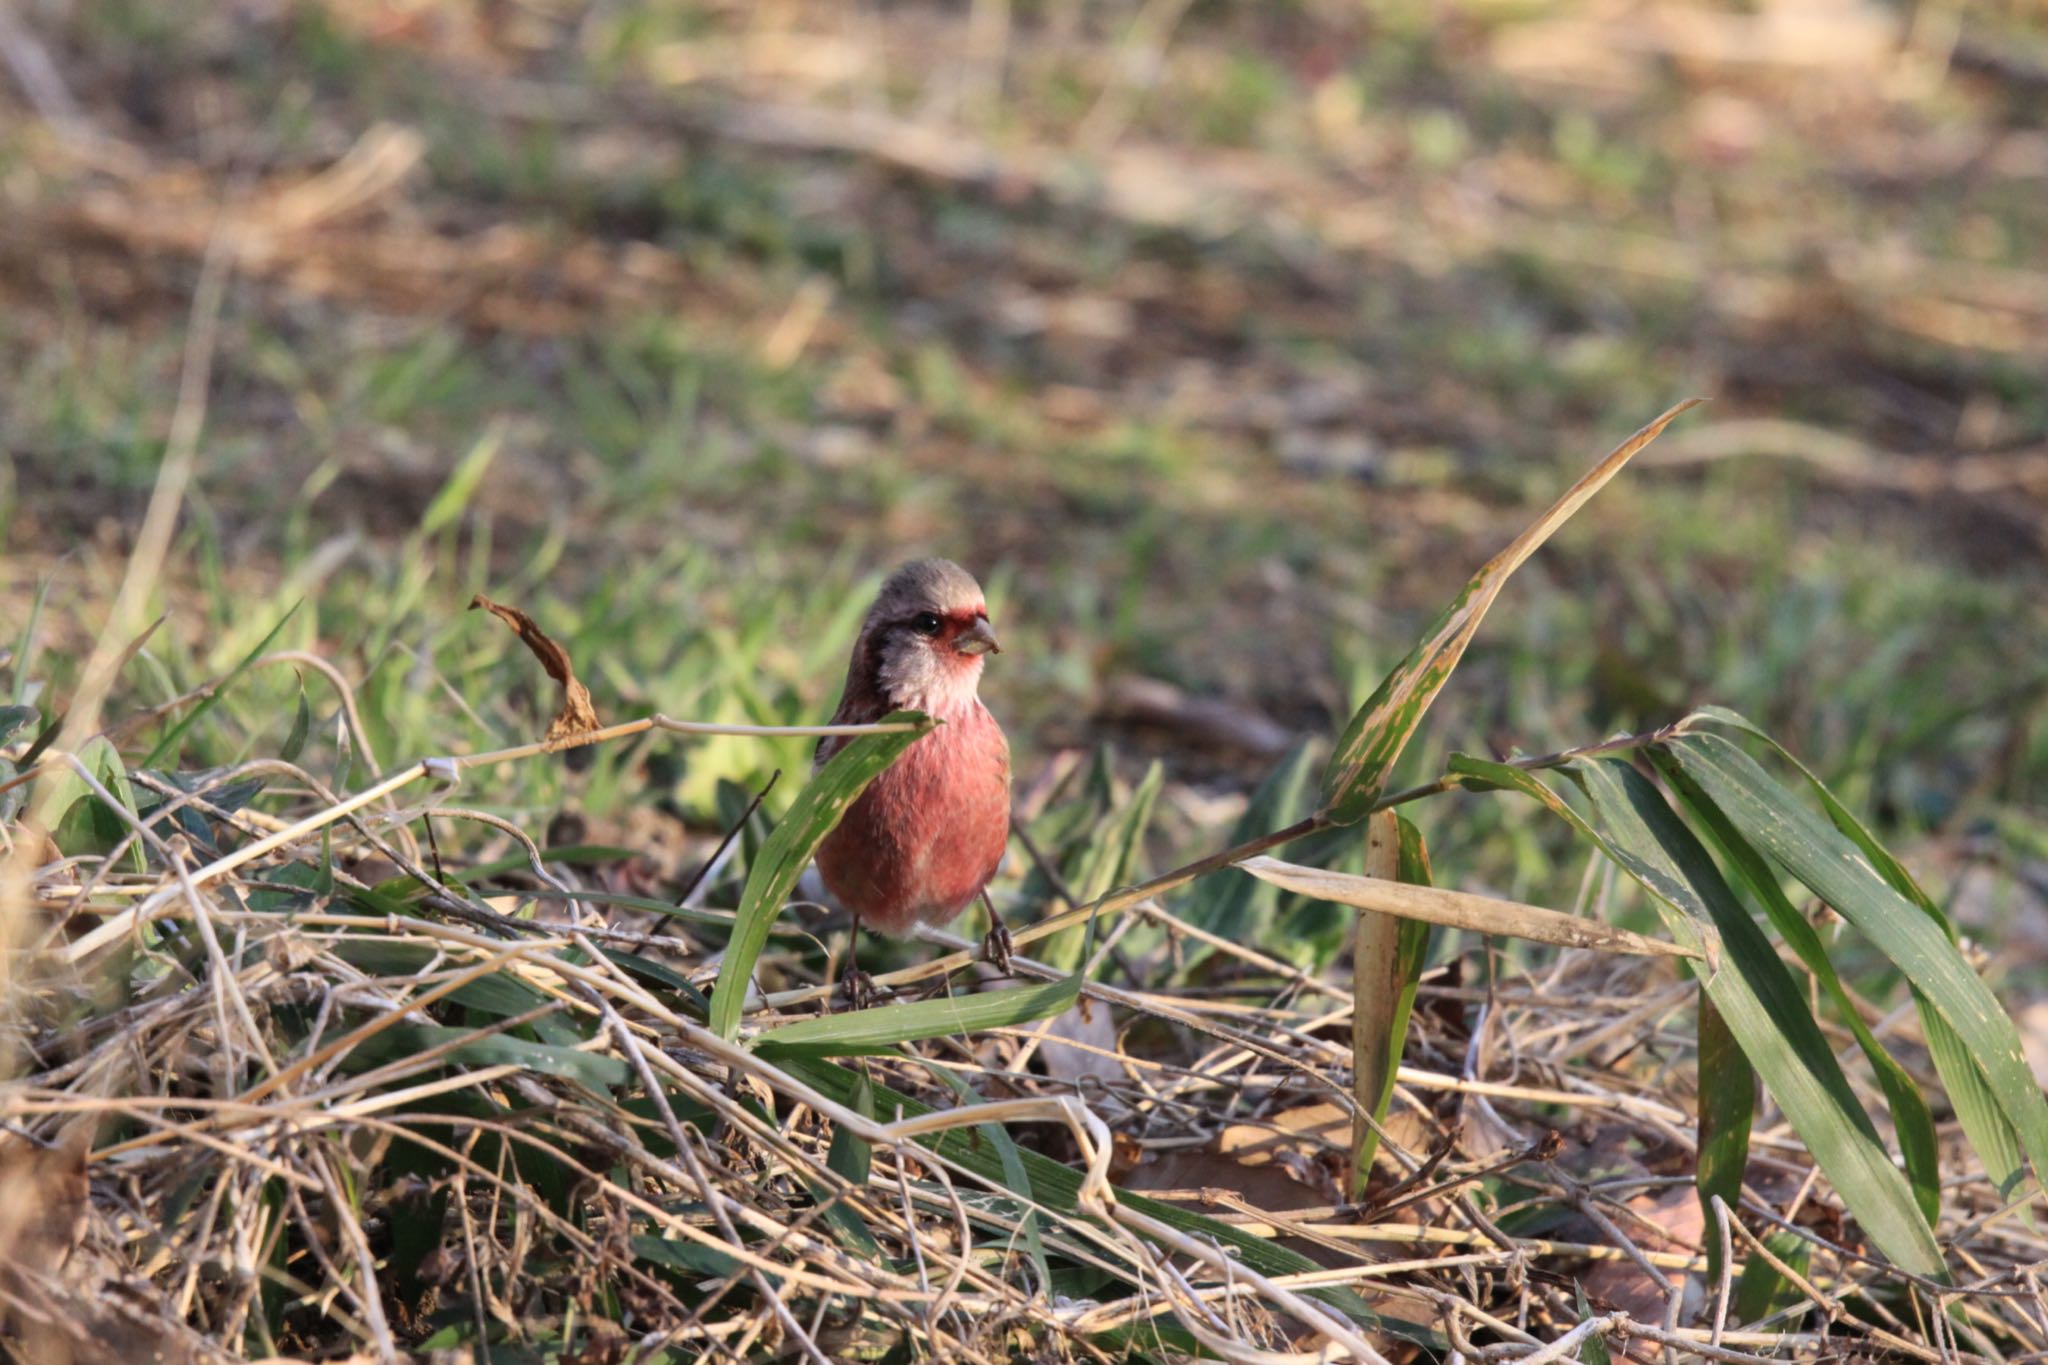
(852, 711)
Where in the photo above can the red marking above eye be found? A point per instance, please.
(962, 617)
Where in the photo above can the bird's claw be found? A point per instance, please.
(858, 989)
(997, 948)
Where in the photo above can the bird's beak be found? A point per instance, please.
(977, 639)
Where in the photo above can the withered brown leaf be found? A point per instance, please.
(577, 717)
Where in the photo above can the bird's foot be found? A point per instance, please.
(857, 989)
(997, 948)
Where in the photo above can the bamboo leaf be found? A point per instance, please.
(1458, 910)
(1977, 1108)
(782, 859)
(1751, 988)
(1387, 966)
(1834, 868)
(1727, 1104)
(880, 1029)
(1367, 750)
(1910, 1115)
(1762, 1291)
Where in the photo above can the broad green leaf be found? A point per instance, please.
(1766, 1011)
(1727, 1103)
(1835, 869)
(1977, 1108)
(1910, 1116)
(1751, 987)
(168, 745)
(1367, 750)
(782, 859)
(880, 1029)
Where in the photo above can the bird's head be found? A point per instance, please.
(926, 637)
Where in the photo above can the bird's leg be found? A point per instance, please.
(857, 986)
(996, 948)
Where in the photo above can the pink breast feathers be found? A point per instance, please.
(926, 836)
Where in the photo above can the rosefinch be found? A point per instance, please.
(925, 837)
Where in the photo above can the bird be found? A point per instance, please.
(926, 836)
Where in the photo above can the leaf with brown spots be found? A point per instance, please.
(577, 717)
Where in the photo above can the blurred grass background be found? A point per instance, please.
(1222, 340)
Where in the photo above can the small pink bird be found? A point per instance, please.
(925, 837)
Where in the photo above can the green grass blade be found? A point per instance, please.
(1015, 1176)
(25, 652)
(468, 476)
(782, 859)
(883, 1027)
(1110, 862)
(1754, 991)
(302, 725)
(850, 1158)
(1727, 1104)
(1366, 752)
(1832, 866)
(168, 745)
(492, 1049)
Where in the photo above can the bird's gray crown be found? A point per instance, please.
(937, 585)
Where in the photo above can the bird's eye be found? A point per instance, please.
(925, 623)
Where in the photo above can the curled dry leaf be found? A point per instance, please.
(577, 717)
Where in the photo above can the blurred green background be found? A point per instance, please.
(1223, 341)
